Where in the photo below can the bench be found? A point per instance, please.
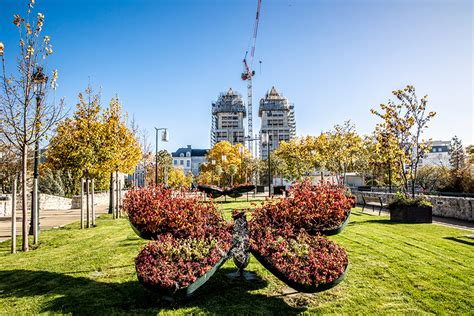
(372, 201)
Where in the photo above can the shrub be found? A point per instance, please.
(312, 207)
(301, 258)
(157, 210)
(401, 200)
(171, 264)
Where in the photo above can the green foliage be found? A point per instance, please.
(401, 200)
(457, 157)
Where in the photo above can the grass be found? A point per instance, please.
(394, 269)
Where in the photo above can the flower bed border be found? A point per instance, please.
(297, 286)
(337, 230)
(188, 291)
(139, 233)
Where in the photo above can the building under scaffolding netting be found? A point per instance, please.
(228, 114)
(278, 120)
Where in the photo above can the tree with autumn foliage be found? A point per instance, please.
(404, 122)
(296, 158)
(233, 167)
(26, 114)
(78, 144)
(178, 180)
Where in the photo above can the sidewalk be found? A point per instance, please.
(445, 221)
(48, 219)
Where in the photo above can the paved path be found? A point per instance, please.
(48, 219)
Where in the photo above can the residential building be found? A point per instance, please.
(189, 159)
(278, 120)
(228, 114)
(438, 155)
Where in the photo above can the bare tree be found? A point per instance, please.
(24, 122)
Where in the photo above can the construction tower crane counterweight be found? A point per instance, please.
(248, 73)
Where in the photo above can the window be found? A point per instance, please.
(181, 155)
(188, 154)
(188, 163)
(175, 162)
(181, 162)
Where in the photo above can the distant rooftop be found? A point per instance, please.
(194, 152)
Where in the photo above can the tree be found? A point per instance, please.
(405, 121)
(295, 156)
(233, 156)
(78, 144)
(433, 178)
(25, 122)
(345, 146)
(177, 179)
(232, 172)
(165, 163)
(9, 166)
(457, 157)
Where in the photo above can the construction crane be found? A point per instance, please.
(247, 75)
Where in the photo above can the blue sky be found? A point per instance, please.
(168, 60)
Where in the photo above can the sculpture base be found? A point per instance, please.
(245, 275)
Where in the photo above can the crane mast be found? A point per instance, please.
(247, 75)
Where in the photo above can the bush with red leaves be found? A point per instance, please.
(157, 210)
(301, 258)
(314, 208)
(170, 264)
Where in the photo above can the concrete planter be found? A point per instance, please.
(411, 214)
(304, 288)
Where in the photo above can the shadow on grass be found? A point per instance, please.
(460, 240)
(375, 221)
(79, 295)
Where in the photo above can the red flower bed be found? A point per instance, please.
(301, 260)
(170, 264)
(314, 208)
(157, 210)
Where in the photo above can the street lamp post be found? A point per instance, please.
(164, 137)
(39, 80)
(266, 139)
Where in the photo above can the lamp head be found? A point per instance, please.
(39, 80)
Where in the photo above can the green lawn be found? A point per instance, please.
(394, 268)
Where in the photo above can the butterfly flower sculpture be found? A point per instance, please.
(191, 240)
(234, 192)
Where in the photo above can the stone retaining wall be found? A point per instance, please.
(99, 199)
(444, 206)
(51, 202)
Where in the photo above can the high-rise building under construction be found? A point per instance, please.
(228, 114)
(278, 120)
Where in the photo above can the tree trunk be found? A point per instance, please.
(111, 194)
(24, 198)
